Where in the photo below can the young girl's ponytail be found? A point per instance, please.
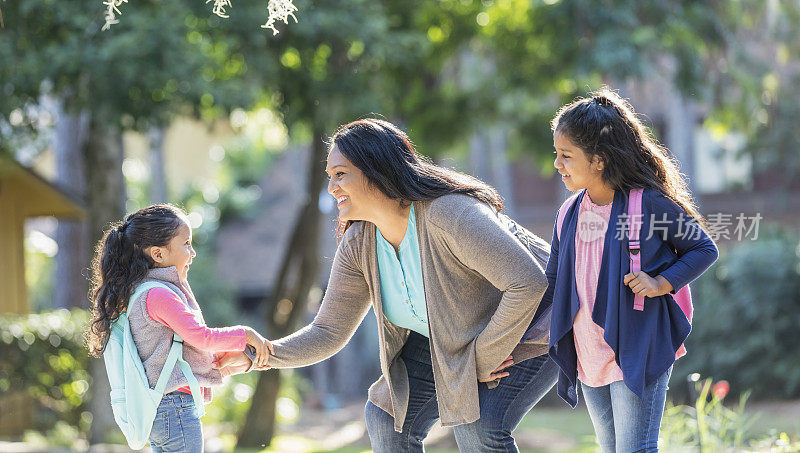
(121, 262)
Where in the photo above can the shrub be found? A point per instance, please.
(747, 309)
(43, 356)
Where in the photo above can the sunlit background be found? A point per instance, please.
(229, 121)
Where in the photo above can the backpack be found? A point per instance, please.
(683, 297)
(133, 402)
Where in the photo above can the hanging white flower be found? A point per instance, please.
(219, 7)
(112, 10)
(280, 10)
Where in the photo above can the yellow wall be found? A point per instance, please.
(23, 194)
(187, 143)
(186, 150)
(13, 294)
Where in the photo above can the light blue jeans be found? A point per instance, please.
(622, 421)
(176, 427)
(502, 408)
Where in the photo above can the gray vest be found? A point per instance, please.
(154, 339)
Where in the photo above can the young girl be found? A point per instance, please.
(155, 244)
(622, 356)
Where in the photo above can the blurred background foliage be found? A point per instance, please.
(444, 70)
(751, 298)
(43, 356)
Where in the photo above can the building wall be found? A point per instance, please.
(13, 294)
(188, 146)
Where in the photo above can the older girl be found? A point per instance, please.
(621, 355)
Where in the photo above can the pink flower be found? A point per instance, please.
(720, 389)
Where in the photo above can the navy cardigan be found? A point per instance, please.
(644, 342)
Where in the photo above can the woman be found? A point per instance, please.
(455, 286)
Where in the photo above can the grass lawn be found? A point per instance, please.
(550, 429)
(559, 425)
(783, 416)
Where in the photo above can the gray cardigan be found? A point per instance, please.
(482, 287)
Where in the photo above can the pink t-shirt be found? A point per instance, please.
(166, 307)
(596, 365)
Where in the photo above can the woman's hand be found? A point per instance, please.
(643, 284)
(499, 373)
(263, 347)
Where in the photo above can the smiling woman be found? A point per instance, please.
(456, 288)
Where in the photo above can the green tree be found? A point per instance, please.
(328, 71)
(733, 57)
(150, 68)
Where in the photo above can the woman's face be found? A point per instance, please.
(355, 197)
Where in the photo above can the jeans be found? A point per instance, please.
(622, 421)
(501, 408)
(176, 427)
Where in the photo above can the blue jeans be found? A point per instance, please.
(176, 427)
(622, 421)
(502, 408)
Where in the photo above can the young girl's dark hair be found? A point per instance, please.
(389, 161)
(120, 262)
(605, 125)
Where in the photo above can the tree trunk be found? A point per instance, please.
(297, 275)
(681, 126)
(158, 179)
(502, 179)
(479, 155)
(103, 155)
(72, 236)
(487, 155)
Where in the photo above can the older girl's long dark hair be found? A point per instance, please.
(605, 125)
(120, 263)
(389, 161)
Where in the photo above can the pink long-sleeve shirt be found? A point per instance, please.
(167, 308)
(596, 364)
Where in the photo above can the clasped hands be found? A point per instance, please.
(235, 362)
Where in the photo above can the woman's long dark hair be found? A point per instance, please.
(389, 161)
(605, 125)
(120, 262)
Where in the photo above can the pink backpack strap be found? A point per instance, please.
(634, 246)
(562, 211)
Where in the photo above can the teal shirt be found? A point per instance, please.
(402, 294)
